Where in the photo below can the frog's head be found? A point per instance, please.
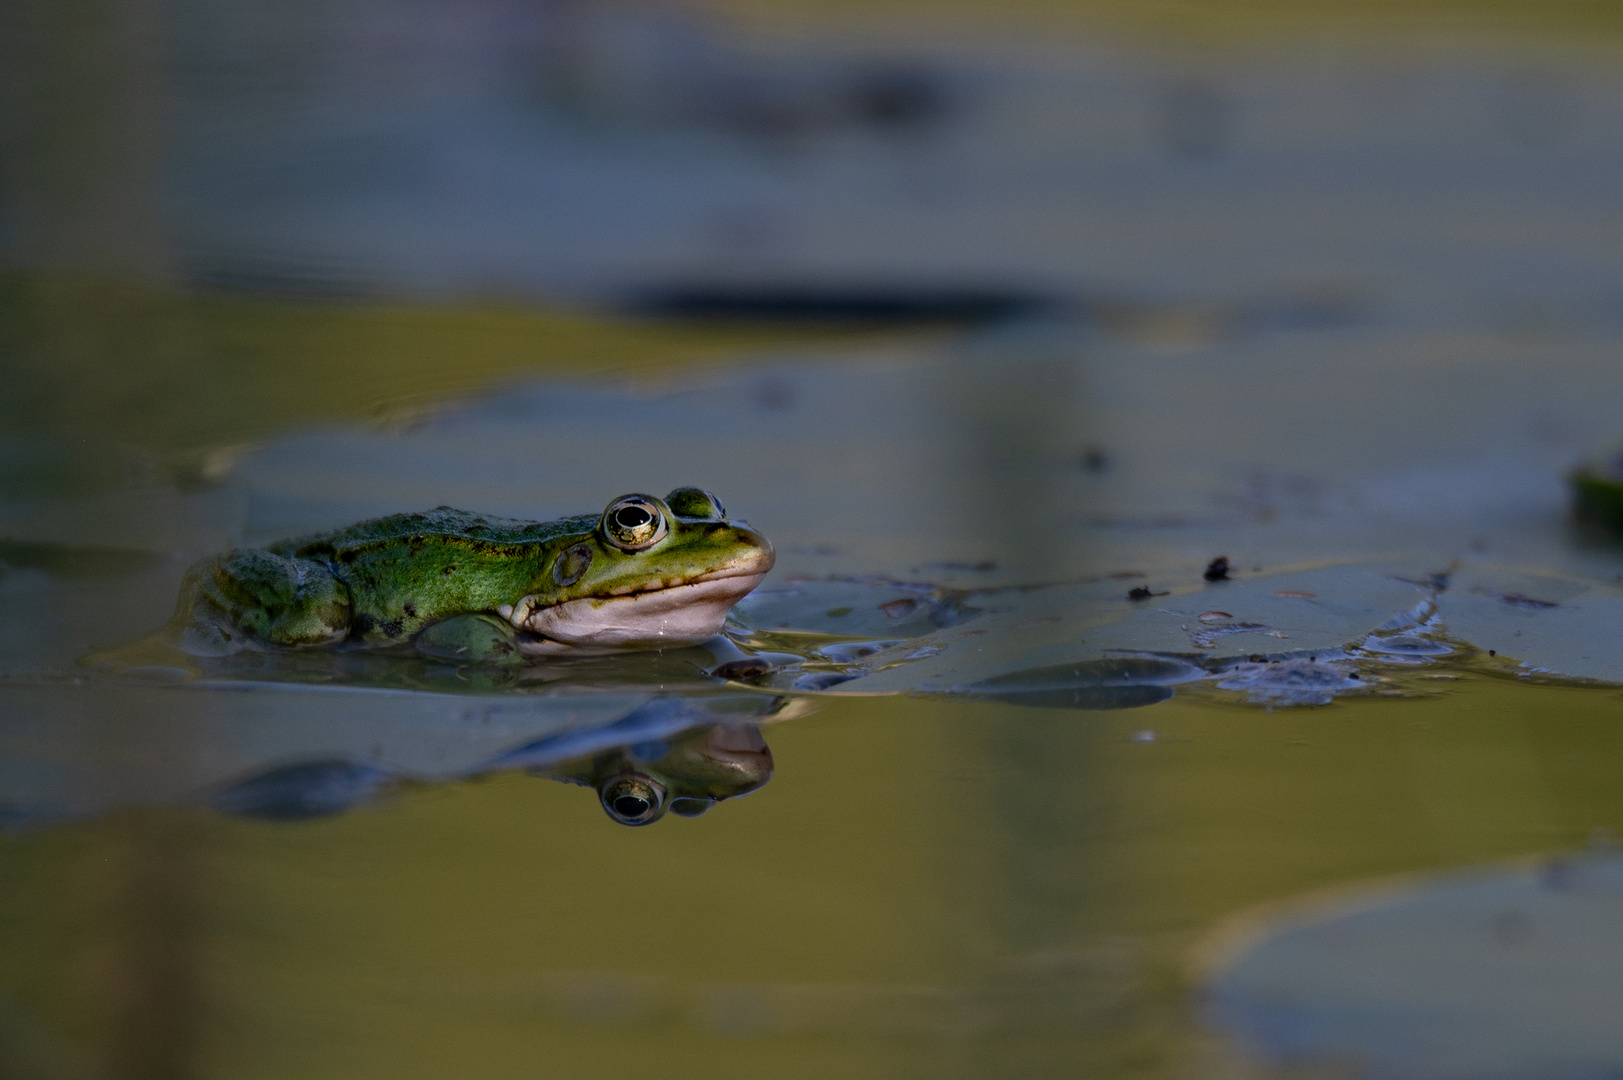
(650, 573)
(685, 775)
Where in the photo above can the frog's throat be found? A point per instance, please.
(657, 619)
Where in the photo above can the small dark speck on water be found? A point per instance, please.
(1095, 460)
(1217, 569)
(1141, 592)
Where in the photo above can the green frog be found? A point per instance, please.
(646, 573)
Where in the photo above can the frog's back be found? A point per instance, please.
(442, 525)
(406, 571)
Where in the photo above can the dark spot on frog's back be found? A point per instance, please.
(447, 571)
(393, 628)
(411, 610)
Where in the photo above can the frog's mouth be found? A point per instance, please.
(669, 617)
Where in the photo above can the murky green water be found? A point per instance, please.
(1003, 348)
(923, 888)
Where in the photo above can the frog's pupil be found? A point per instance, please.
(630, 806)
(632, 517)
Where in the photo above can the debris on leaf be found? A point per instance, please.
(1518, 600)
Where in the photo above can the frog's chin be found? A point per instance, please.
(659, 619)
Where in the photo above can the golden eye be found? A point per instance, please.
(633, 799)
(633, 523)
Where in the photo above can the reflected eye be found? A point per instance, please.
(633, 523)
(633, 799)
(695, 503)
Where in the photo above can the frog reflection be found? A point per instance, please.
(684, 771)
(685, 774)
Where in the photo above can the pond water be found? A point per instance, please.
(1180, 659)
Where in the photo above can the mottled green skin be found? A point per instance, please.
(406, 571)
(382, 582)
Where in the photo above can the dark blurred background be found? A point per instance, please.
(224, 221)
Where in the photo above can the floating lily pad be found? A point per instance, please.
(1506, 974)
(1548, 624)
(1406, 645)
(880, 608)
(1298, 613)
(1124, 682)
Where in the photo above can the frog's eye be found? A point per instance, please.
(695, 504)
(633, 523)
(633, 799)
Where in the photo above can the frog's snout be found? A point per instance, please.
(633, 799)
(757, 555)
